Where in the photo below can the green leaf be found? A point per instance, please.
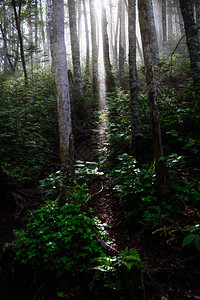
(197, 242)
(191, 228)
(188, 239)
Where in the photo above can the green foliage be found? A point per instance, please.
(193, 237)
(121, 273)
(89, 168)
(60, 239)
(28, 124)
(119, 122)
(134, 186)
(51, 184)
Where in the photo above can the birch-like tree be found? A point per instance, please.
(63, 102)
(79, 95)
(122, 44)
(93, 21)
(134, 104)
(109, 77)
(145, 6)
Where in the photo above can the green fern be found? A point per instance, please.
(130, 258)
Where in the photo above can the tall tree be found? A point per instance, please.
(110, 82)
(18, 26)
(193, 44)
(93, 19)
(146, 31)
(79, 95)
(50, 30)
(197, 9)
(169, 24)
(87, 40)
(134, 104)
(122, 45)
(164, 27)
(63, 102)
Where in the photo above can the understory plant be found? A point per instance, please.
(60, 239)
(119, 276)
(28, 122)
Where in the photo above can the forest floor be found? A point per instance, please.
(172, 272)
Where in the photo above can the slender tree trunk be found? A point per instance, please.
(79, 96)
(193, 44)
(42, 30)
(50, 30)
(179, 18)
(63, 103)
(93, 19)
(36, 24)
(146, 31)
(169, 25)
(134, 104)
(87, 41)
(197, 7)
(164, 28)
(18, 21)
(122, 45)
(110, 82)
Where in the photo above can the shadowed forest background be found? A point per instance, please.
(99, 149)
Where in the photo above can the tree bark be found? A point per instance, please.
(169, 25)
(110, 82)
(18, 21)
(164, 28)
(122, 45)
(87, 68)
(79, 95)
(63, 103)
(193, 44)
(50, 31)
(95, 83)
(134, 104)
(146, 31)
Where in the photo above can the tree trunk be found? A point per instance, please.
(18, 21)
(87, 68)
(63, 103)
(193, 44)
(122, 45)
(197, 8)
(79, 96)
(146, 31)
(134, 104)
(50, 31)
(95, 83)
(169, 25)
(164, 28)
(110, 82)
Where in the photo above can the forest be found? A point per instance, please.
(100, 149)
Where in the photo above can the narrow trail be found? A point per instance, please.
(164, 265)
(103, 201)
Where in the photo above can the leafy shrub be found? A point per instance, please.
(28, 121)
(121, 274)
(58, 238)
(193, 237)
(134, 186)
